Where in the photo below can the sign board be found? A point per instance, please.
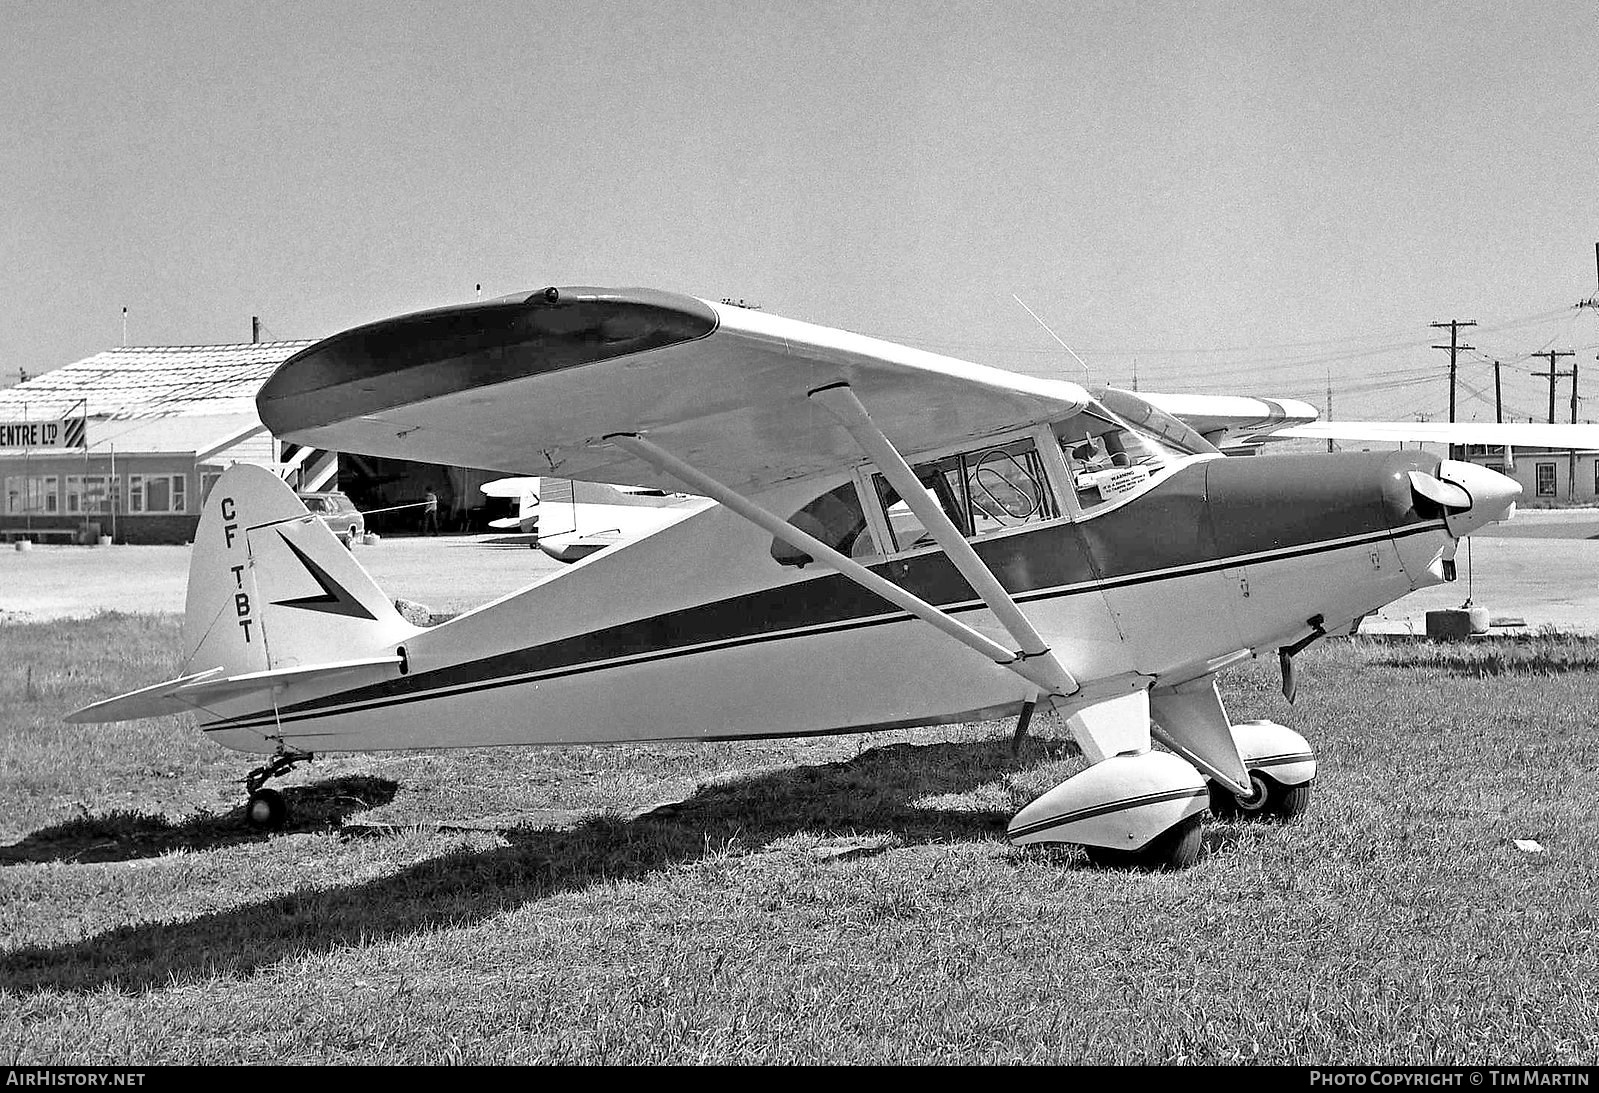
(66, 433)
(1113, 481)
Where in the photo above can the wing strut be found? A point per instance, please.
(1032, 669)
(840, 401)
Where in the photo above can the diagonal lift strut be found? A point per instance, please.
(840, 401)
(1034, 668)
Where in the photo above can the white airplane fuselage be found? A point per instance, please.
(693, 632)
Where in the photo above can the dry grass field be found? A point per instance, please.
(842, 900)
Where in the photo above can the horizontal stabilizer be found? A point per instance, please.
(153, 701)
(190, 692)
(512, 487)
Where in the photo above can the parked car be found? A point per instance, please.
(340, 515)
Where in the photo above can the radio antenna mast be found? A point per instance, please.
(1051, 333)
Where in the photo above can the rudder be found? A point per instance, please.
(271, 587)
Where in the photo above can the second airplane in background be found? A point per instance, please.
(571, 520)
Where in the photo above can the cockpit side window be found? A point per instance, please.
(836, 518)
(981, 491)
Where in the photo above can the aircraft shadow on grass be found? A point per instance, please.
(872, 793)
(126, 836)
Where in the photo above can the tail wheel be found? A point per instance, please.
(266, 810)
(1175, 848)
(1271, 800)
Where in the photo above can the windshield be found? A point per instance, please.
(1110, 458)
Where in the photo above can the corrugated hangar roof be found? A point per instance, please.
(151, 381)
(202, 434)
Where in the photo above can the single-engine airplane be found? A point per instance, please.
(901, 538)
(570, 520)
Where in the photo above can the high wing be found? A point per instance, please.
(535, 383)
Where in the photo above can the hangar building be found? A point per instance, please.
(126, 444)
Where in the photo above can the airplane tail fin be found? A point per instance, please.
(270, 587)
(274, 599)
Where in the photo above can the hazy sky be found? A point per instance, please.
(1156, 180)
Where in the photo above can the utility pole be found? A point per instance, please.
(1499, 398)
(1571, 474)
(255, 329)
(1329, 406)
(1552, 375)
(1454, 347)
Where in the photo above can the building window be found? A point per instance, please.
(1545, 479)
(33, 493)
(157, 492)
(91, 493)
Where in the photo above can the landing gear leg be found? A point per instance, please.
(1022, 722)
(265, 809)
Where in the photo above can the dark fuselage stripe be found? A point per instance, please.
(1281, 760)
(1110, 809)
(491, 678)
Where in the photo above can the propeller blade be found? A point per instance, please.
(1439, 492)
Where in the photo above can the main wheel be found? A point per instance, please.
(1175, 848)
(266, 810)
(1271, 800)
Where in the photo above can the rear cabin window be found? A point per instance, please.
(836, 519)
(981, 491)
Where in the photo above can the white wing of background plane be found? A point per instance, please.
(1223, 419)
(532, 384)
(1520, 434)
(1248, 422)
